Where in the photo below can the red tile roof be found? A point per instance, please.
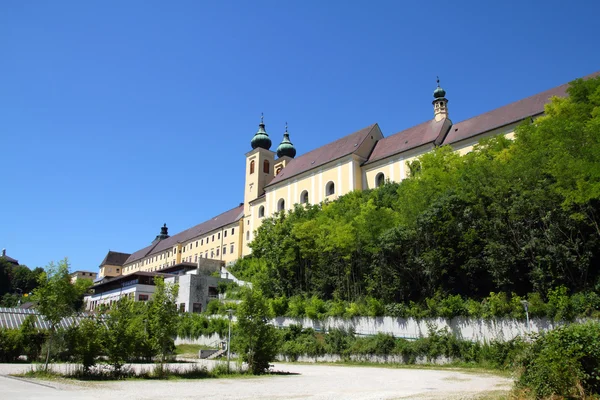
(424, 133)
(508, 114)
(324, 154)
(228, 217)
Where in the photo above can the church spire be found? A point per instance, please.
(286, 148)
(440, 103)
(261, 138)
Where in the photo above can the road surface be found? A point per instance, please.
(318, 382)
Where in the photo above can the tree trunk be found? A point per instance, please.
(48, 350)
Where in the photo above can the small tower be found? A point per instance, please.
(259, 172)
(440, 103)
(285, 152)
(261, 139)
(164, 233)
(259, 166)
(286, 148)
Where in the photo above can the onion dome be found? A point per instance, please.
(164, 233)
(439, 93)
(261, 139)
(286, 148)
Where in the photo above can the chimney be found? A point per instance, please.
(3, 252)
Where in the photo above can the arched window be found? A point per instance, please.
(304, 197)
(278, 170)
(261, 211)
(330, 188)
(379, 179)
(252, 166)
(266, 167)
(281, 205)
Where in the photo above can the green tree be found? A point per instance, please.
(88, 341)
(163, 317)
(256, 340)
(119, 339)
(56, 298)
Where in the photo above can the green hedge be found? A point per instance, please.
(295, 341)
(559, 306)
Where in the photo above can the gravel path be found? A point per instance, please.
(322, 382)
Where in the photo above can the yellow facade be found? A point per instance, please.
(221, 244)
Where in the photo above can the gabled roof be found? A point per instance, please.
(508, 114)
(427, 132)
(115, 258)
(227, 218)
(324, 154)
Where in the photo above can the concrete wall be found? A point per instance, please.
(463, 328)
(212, 340)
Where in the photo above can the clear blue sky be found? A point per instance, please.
(118, 116)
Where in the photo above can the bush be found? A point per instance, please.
(502, 355)
(88, 342)
(337, 341)
(32, 339)
(11, 345)
(297, 307)
(564, 362)
(279, 306)
(315, 308)
(559, 305)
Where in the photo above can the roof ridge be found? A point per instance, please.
(182, 236)
(315, 152)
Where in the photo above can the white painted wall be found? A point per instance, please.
(479, 330)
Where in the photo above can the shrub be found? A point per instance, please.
(10, 345)
(502, 355)
(338, 341)
(336, 308)
(451, 306)
(536, 307)
(297, 307)
(375, 308)
(564, 362)
(279, 306)
(315, 308)
(88, 342)
(559, 305)
(32, 339)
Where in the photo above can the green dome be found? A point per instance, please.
(439, 92)
(261, 139)
(286, 148)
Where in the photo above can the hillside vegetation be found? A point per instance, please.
(516, 217)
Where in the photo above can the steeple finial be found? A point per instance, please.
(286, 127)
(262, 118)
(438, 81)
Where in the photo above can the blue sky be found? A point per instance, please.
(119, 116)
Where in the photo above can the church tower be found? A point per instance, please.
(440, 103)
(259, 169)
(285, 152)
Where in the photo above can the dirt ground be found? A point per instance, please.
(322, 382)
